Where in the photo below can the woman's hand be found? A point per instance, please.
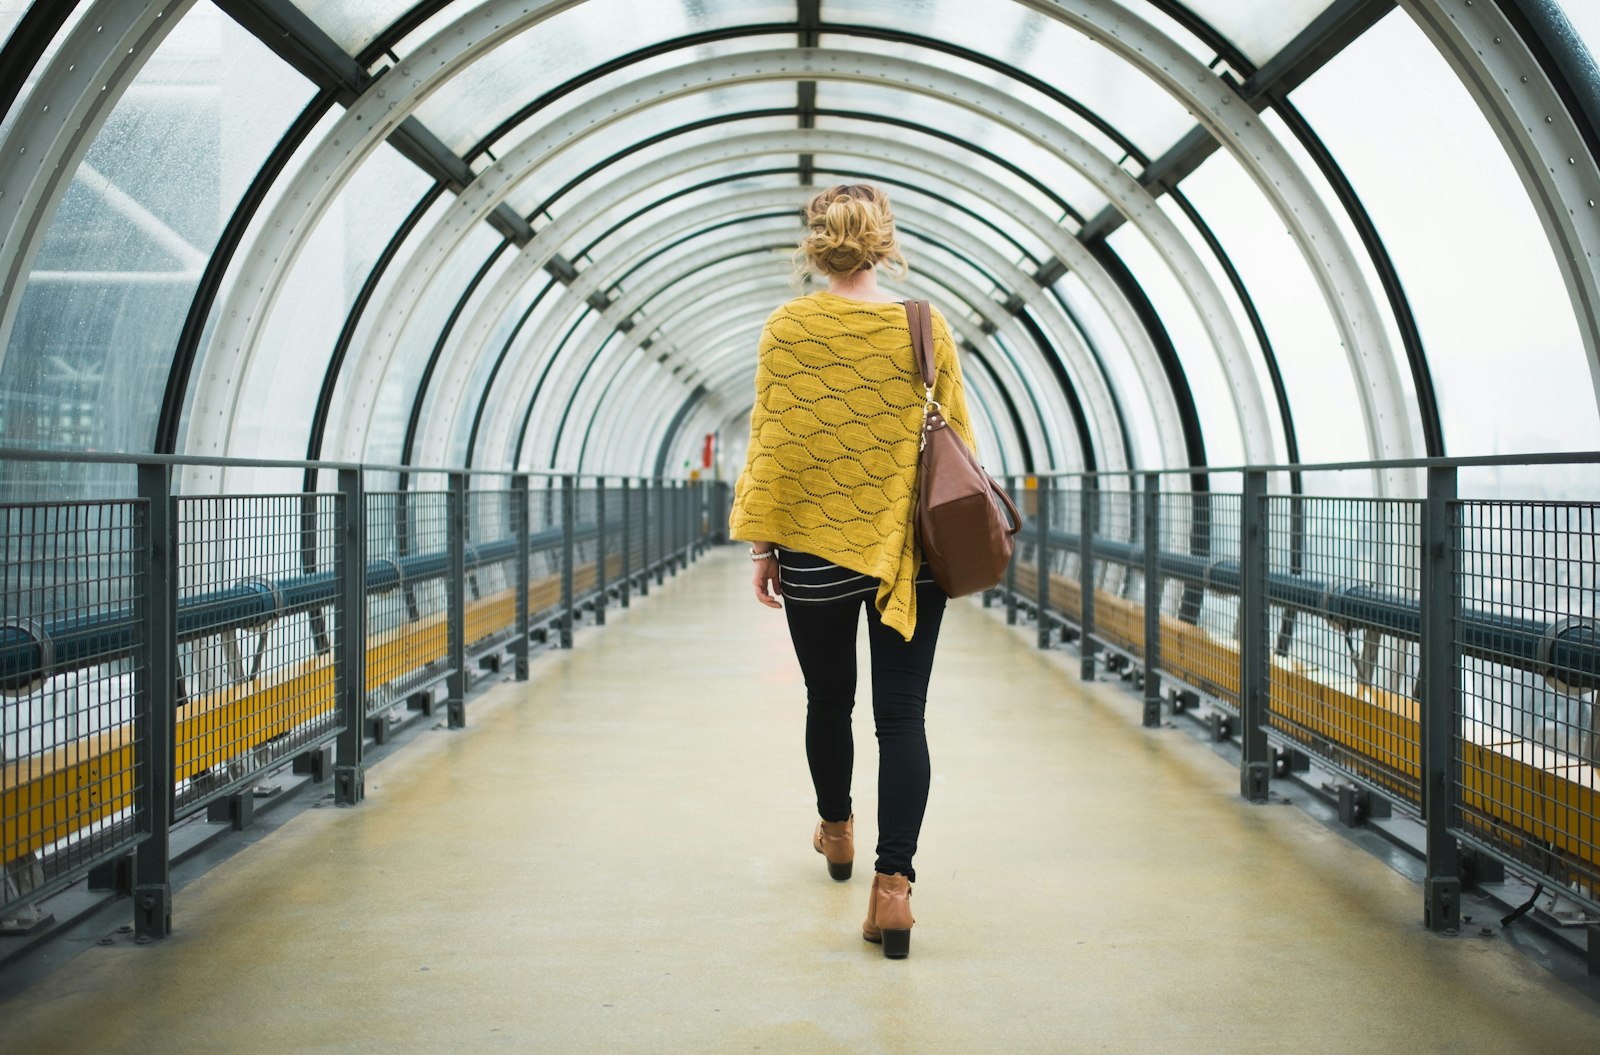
(765, 580)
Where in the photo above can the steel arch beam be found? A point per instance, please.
(937, 166)
(58, 121)
(1331, 259)
(703, 332)
(735, 345)
(618, 357)
(1023, 290)
(520, 162)
(1544, 143)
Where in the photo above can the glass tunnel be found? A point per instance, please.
(423, 332)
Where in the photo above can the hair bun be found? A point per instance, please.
(850, 229)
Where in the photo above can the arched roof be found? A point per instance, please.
(545, 233)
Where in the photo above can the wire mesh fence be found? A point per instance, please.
(1118, 572)
(256, 675)
(160, 653)
(407, 620)
(1345, 650)
(586, 567)
(1528, 666)
(544, 519)
(1199, 532)
(69, 770)
(491, 567)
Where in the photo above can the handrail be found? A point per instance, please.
(1561, 650)
(31, 652)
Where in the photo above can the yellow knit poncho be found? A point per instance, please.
(832, 465)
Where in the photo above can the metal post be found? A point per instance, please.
(1440, 673)
(456, 590)
(645, 489)
(523, 533)
(662, 520)
(1089, 516)
(600, 552)
(1011, 568)
(350, 655)
(569, 556)
(1255, 762)
(1152, 600)
(624, 579)
(1041, 520)
(155, 679)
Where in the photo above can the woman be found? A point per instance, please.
(826, 501)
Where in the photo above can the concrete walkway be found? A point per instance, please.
(616, 857)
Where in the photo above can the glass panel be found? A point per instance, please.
(1291, 146)
(1259, 29)
(411, 357)
(691, 203)
(990, 170)
(586, 93)
(478, 98)
(1241, 320)
(291, 355)
(532, 194)
(511, 324)
(1466, 242)
(118, 268)
(1133, 394)
(968, 128)
(1213, 395)
(1046, 49)
(355, 23)
(1316, 373)
(1045, 104)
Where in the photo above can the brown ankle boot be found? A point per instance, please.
(889, 914)
(836, 840)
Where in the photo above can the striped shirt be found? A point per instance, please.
(808, 579)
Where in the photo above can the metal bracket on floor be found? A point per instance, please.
(1479, 868)
(349, 785)
(237, 810)
(1594, 949)
(317, 763)
(1357, 805)
(1222, 725)
(421, 701)
(1117, 663)
(380, 726)
(1180, 700)
(1286, 760)
(490, 663)
(115, 875)
(1255, 780)
(1442, 904)
(26, 921)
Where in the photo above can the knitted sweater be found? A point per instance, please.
(832, 464)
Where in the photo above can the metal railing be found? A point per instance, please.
(1439, 653)
(160, 652)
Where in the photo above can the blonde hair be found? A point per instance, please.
(850, 228)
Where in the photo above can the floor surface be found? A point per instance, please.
(615, 857)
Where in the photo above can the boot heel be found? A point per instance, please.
(897, 944)
(840, 872)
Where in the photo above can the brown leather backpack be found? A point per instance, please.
(965, 520)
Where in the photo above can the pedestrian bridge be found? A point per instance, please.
(373, 379)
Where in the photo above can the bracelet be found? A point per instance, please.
(762, 554)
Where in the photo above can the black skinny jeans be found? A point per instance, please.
(824, 638)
